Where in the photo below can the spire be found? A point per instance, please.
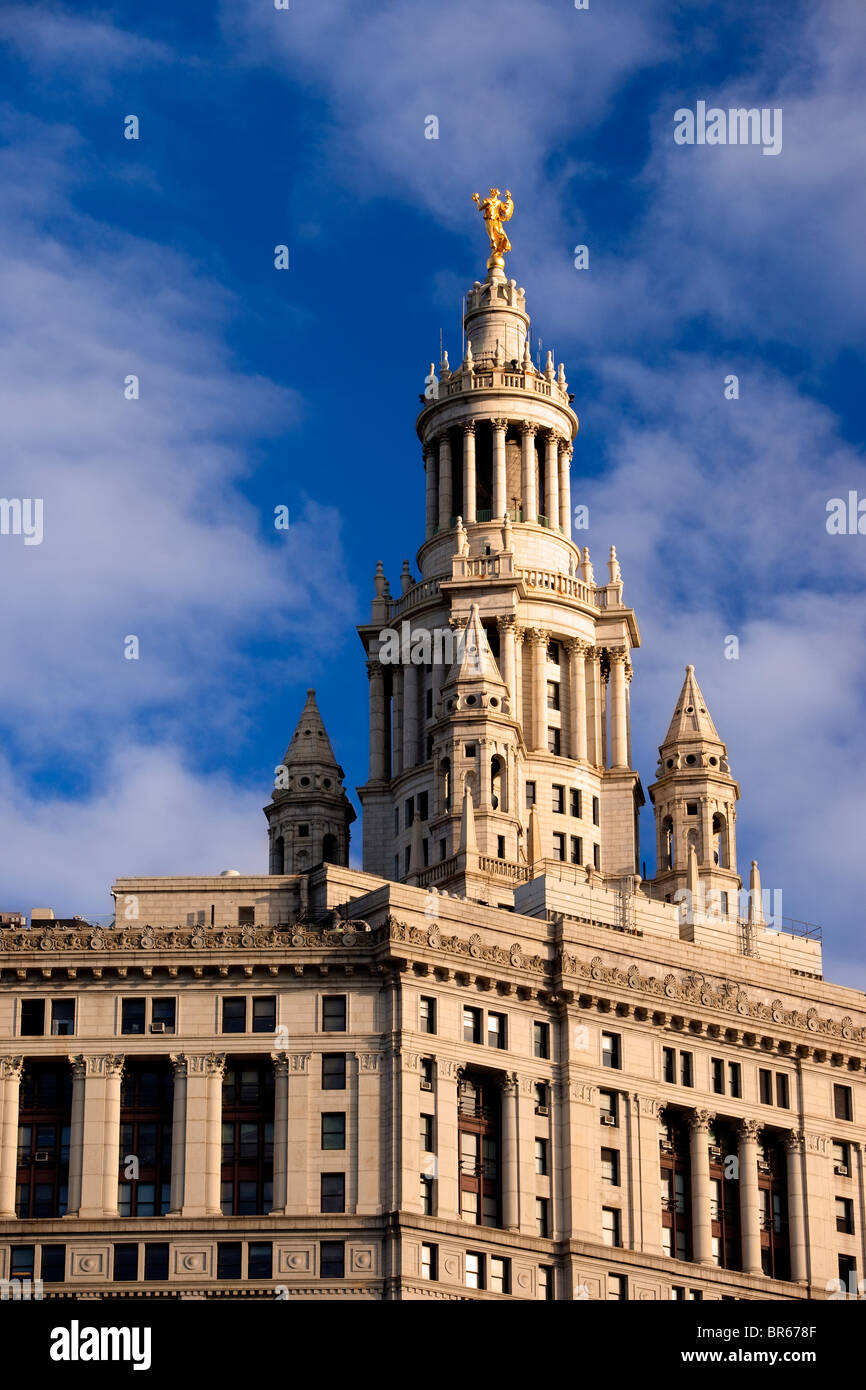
(310, 743)
(691, 719)
(475, 660)
(534, 853)
(468, 839)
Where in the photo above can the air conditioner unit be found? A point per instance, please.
(608, 1120)
(41, 1156)
(426, 1085)
(542, 1110)
(667, 1146)
(157, 1028)
(763, 1166)
(715, 1151)
(840, 1170)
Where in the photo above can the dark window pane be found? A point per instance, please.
(334, 1130)
(156, 1260)
(62, 1017)
(260, 1260)
(229, 1259)
(53, 1264)
(32, 1018)
(125, 1263)
(332, 1259)
(265, 1014)
(334, 1013)
(133, 1012)
(22, 1261)
(333, 1192)
(163, 1011)
(235, 1015)
(333, 1071)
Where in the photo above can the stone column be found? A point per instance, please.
(699, 1130)
(178, 1133)
(215, 1072)
(796, 1208)
(750, 1202)
(595, 750)
(618, 721)
(528, 1126)
(530, 488)
(645, 1181)
(369, 1109)
(397, 707)
(431, 471)
(410, 715)
(410, 1161)
(113, 1076)
(577, 745)
(448, 1161)
(201, 1179)
(377, 721)
(506, 625)
(445, 500)
(575, 1121)
(509, 1155)
(297, 1162)
(100, 1135)
(518, 678)
(10, 1082)
(469, 471)
(565, 452)
(500, 487)
(538, 647)
(76, 1136)
(281, 1129)
(706, 831)
(551, 479)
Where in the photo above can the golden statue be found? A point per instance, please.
(495, 212)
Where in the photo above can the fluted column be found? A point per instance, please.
(178, 1132)
(76, 1136)
(100, 1134)
(577, 745)
(10, 1081)
(397, 683)
(297, 1149)
(596, 746)
(377, 721)
(281, 1129)
(565, 452)
(445, 509)
(469, 492)
(410, 715)
(706, 831)
(509, 1158)
(500, 489)
(796, 1208)
(618, 720)
(432, 475)
(530, 488)
(113, 1077)
(506, 625)
(551, 479)
(538, 648)
(202, 1159)
(215, 1071)
(699, 1132)
(750, 1202)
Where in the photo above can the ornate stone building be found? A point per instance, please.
(497, 1062)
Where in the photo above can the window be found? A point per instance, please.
(333, 1013)
(427, 1073)
(156, 1260)
(576, 849)
(530, 794)
(541, 1097)
(669, 1065)
(246, 916)
(559, 847)
(32, 1018)
(541, 1039)
(610, 1166)
(427, 1196)
(62, 1017)
(471, 1025)
(303, 831)
(496, 1034)
(126, 1263)
(146, 1105)
(247, 1168)
(264, 1014)
(611, 1226)
(782, 1091)
(427, 1014)
(553, 694)
(429, 1261)
(235, 1014)
(500, 1275)
(596, 856)
(608, 1107)
(617, 1286)
(735, 1079)
(542, 1217)
(500, 846)
(545, 1283)
(332, 1259)
(553, 653)
(718, 1070)
(575, 803)
(334, 1129)
(133, 1015)
(691, 807)
(474, 1270)
(845, 1216)
(541, 1157)
(765, 1086)
(686, 1069)
(427, 1145)
(408, 812)
(841, 1159)
(333, 1071)
(44, 1118)
(596, 811)
(53, 1269)
(423, 805)
(610, 1051)
(558, 800)
(260, 1259)
(848, 1274)
(842, 1105)
(229, 1256)
(333, 1196)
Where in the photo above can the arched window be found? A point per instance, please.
(279, 856)
(497, 784)
(720, 841)
(446, 783)
(330, 850)
(667, 846)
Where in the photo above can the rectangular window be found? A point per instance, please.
(474, 1270)
(553, 653)
(496, 1031)
(32, 1018)
(553, 694)
(471, 1024)
(608, 1108)
(333, 1196)
(500, 846)
(408, 812)
(427, 1014)
(596, 856)
(576, 849)
(559, 847)
(429, 1261)
(541, 1039)
(575, 803)
(334, 1129)
(260, 1259)
(617, 1286)
(596, 811)
(686, 1069)
(718, 1068)
(333, 1013)
(235, 1014)
(427, 1072)
(423, 805)
(735, 1079)
(23, 1261)
(611, 1226)
(558, 800)
(610, 1166)
(53, 1269)
(333, 1071)
(246, 916)
(125, 1263)
(845, 1216)
(156, 1260)
(427, 1196)
(332, 1259)
(500, 1275)
(782, 1091)
(669, 1065)
(611, 1051)
(427, 1145)
(162, 1015)
(691, 808)
(541, 1096)
(530, 794)
(133, 1015)
(765, 1086)
(542, 1217)
(265, 1014)
(842, 1104)
(541, 1157)
(62, 1017)
(841, 1159)
(545, 1283)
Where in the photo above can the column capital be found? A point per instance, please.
(469, 427)
(442, 437)
(110, 1065)
(499, 423)
(299, 1061)
(819, 1143)
(179, 1062)
(794, 1141)
(748, 1130)
(506, 621)
(281, 1063)
(374, 669)
(577, 646)
(11, 1068)
(369, 1061)
(650, 1106)
(617, 654)
(592, 653)
(207, 1064)
(699, 1121)
(527, 427)
(537, 635)
(509, 1084)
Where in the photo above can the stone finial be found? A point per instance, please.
(462, 537)
(406, 579)
(445, 366)
(499, 355)
(527, 357)
(468, 360)
(587, 572)
(549, 370)
(560, 376)
(380, 583)
(613, 567)
(431, 384)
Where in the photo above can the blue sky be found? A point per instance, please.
(259, 388)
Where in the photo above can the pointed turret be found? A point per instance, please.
(475, 666)
(691, 718)
(310, 814)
